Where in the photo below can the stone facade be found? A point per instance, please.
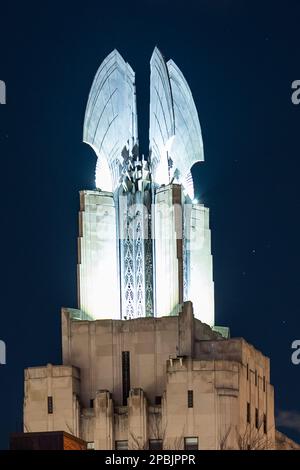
(168, 382)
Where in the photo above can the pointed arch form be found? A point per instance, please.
(175, 132)
(187, 148)
(110, 123)
(162, 125)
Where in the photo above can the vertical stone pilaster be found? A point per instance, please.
(104, 415)
(50, 417)
(137, 420)
(76, 416)
(66, 336)
(186, 330)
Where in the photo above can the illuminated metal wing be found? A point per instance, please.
(110, 123)
(175, 133)
(187, 146)
(161, 117)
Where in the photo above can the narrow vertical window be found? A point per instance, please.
(190, 398)
(158, 400)
(248, 413)
(256, 378)
(125, 375)
(256, 418)
(91, 403)
(265, 424)
(264, 383)
(247, 371)
(50, 405)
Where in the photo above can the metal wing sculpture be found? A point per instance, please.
(110, 123)
(162, 123)
(175, 133)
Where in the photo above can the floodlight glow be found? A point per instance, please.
(127, 267)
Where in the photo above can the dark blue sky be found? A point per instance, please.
(240, 58)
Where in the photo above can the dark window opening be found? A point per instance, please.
(247, 371)
(264, 383)
(91, 403)
(158, 400)
(256, 418)
(191, 443)
(256, 378)
(50, 405)
(248, 413)
(190, 399)
(265, 424)
(155, 444)
(121, 445)
(125, 375)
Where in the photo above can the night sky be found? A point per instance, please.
(239, 58)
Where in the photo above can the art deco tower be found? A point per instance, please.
(143, 366)
(144, 243)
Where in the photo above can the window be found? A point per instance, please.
(121, 445)
(256, 378)
(91, 403)
(256, 418)
(264, 383)
(158, 400)
(265, 424)
(50, 405)
(247, 371)
(90, 445)
(191, 443)
(248, 413)
(190, 398)
(155, 444)
(125, 375)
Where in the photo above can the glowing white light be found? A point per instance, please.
(182, 271)
(167, 264)
(103, 175)
(97, 268)
(201, 285)
(162, 172)
(169, 144)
